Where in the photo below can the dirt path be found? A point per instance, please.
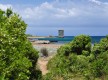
(52, 50)
(43, 66)
(42, 63)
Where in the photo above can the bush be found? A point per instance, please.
(17, 56)
(77, 60)
(81, 43)
(44, 52)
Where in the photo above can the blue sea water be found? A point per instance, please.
(67, 39)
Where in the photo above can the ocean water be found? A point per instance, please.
(67, 39)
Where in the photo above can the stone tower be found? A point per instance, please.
(61, 33)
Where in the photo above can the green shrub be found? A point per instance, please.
(17, 56)
(65, 50)
(79, 60)
(81, 43)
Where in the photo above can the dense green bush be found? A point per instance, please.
(81, 43)
(78, 60)
(17, 56)
(100, 63)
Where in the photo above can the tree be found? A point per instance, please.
(17, 56)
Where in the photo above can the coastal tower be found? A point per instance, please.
(61, 33)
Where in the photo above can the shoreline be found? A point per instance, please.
(52, 48)
(31, 37)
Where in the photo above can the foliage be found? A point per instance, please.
(78, 60)
(100, 63)
(81, 43)
(44, 51)
(17, 56)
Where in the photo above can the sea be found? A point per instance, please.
(67, 39)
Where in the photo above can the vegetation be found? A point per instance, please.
(44, 52)
(17, 56)
(78, 60)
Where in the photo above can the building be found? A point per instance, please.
(61, 33)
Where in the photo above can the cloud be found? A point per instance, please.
(5, 6)
(99, 2)
(65, 13)
(70, 12)
(74, 15)
(47, 10)
(96, 2)
(101, 10)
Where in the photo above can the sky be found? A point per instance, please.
(75, 17)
